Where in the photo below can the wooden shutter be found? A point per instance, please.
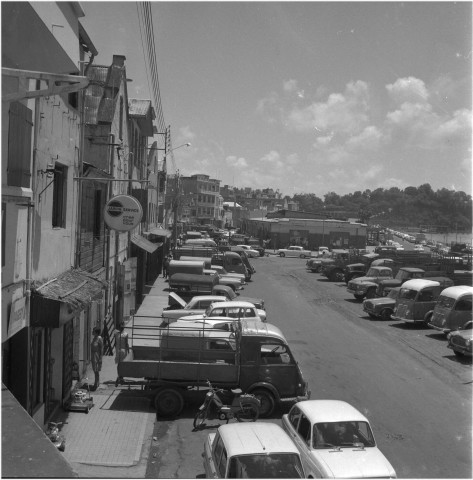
(19, 146)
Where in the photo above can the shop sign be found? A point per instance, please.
(17, 316)
(123, 213)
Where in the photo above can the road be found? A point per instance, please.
(415, 392)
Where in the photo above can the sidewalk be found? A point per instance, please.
(114, 438)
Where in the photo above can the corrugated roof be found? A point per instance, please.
(75, 287)
(139, 108)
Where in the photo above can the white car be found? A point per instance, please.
(252, 253)
(294, 251)
(233, 310)
(251, 450)
(197, 305)
(419, 248)
(335, 441)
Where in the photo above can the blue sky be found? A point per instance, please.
(306, 97)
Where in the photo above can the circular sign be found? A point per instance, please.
(123, 213)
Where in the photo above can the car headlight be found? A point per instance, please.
(449, 336)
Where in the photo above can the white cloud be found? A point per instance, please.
(290, 86)
(408, 89)
(343, 113)
(236, 162)
(369, 139)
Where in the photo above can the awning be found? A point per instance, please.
(159, 231)
(141, 242)
(76, 288)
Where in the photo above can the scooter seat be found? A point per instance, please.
(236, 391)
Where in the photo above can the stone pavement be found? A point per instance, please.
(113, 440)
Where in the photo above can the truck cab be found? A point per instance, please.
(362, 287)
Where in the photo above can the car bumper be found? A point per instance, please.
(462, 350)
(356, 292)
(440, 329)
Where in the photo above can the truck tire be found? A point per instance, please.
(282, 254)
(386, 314)
(168, 402)
(267, 402)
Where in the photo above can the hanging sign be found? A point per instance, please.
(123, 213)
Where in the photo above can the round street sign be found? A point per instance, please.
(123, 213)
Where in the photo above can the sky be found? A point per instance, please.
(306, 97)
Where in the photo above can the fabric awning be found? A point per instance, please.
(141, 242)
(159, 231)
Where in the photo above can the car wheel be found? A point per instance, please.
(427, 320)
(282, 254)
(248, 413)
(359, 297)
(267, 402)
(372, 315)
(458, 354)
(386, 314)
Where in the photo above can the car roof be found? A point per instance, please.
(412, 269)
(457, 291)
(418, 283)
(256, 438)
(234, 303)
(330, 411)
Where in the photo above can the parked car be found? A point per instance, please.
(417, 299)
(382, 307)
(294, 251)
(250, 251)
(234, 309)
(196, 306)
(335, 441)
(461, 340)
(251, 450)
(229, 294)
(419, 248)
(453, 308)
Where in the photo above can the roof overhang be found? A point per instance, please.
(55, 301)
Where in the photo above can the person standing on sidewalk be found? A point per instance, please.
(96, 353)
(121, 348)
(167, 259)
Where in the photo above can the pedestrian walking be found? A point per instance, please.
(167, 259)
(121, 348)
(96, 354)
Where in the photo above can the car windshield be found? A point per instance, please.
(372, 272)
(342, 434)
(273, 465)
(446, 302)
(408, 294)
(393, 294)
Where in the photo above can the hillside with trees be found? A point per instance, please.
(413, 207)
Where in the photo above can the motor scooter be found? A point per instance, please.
(243, 407)
(53, 433)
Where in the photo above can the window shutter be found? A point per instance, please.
(19, 146)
